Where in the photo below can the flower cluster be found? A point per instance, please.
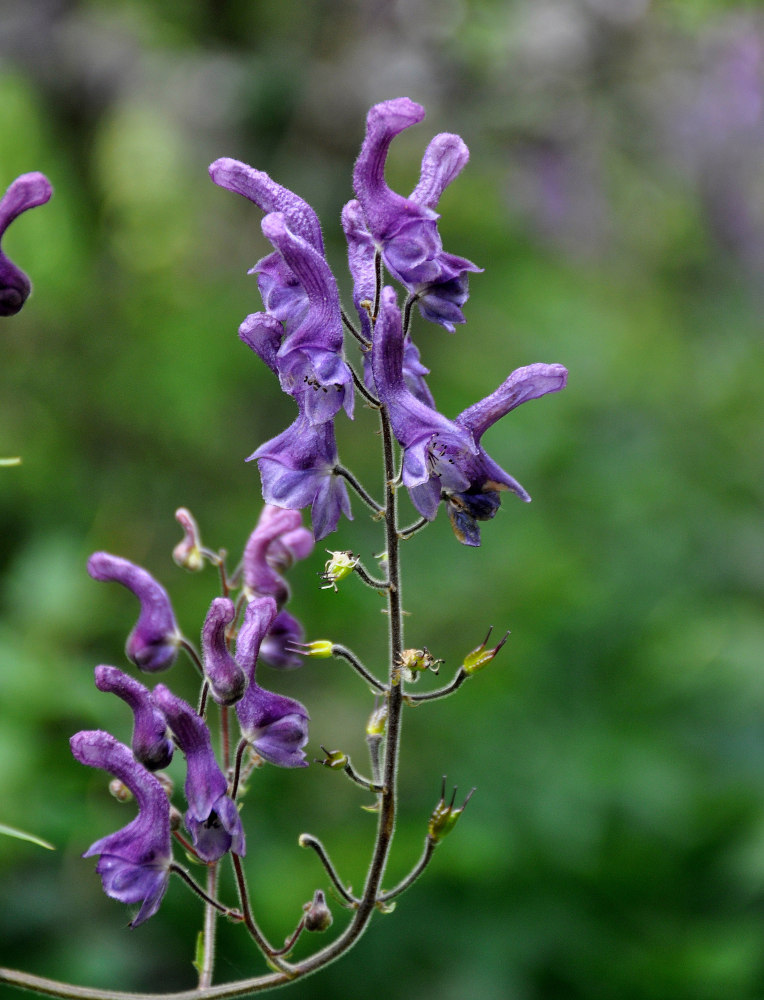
(299, 336)
(135, 862)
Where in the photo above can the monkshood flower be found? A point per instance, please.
(277, 648)
(361, 251)
(153, 643)
(405, 229)
(283, 294)
(442, 458)
(297, 471)
(133, 862)
(150, 742)
(226, 678)
(278, 541)
(309, 362)
(27, 191)
(212, 818)
(276, 726)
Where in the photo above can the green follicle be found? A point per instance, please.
(445, 815)
(334, 759)
(478, 658)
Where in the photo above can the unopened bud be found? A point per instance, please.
(318, 916)
(478, 658)
(119, 790)
(166, 782)
(444, 816)
(337, 568)
(176, 818)
(377, 721)
(188, 552)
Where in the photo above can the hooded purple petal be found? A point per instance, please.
(153, 643)
(150, 743)
(133, 862)
(212, 818)
(276, 647)
(225, 676)
(27, 191)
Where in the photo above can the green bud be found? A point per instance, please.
(444, 816)
(335, 759)
(318, 916)
(478, 658)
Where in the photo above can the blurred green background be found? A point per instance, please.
(615, 197)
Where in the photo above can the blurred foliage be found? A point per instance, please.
(615, 197)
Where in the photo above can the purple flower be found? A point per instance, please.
(283, 294)
(153, 643)
(297, 471)
(151, 744)
(225, 676)
(27, 191)
(443, 459)
(279, 540)
(276, 726)
(134, 862)
(276, 649)
(212, 818)
(405, 229)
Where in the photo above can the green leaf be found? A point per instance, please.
(11, 831)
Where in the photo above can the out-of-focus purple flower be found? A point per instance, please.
(309, 362)
(443, 458)
(405, 229)
(133, 862)
(153, 643)
(276, 648)
(151, 744)
(226, 678)
(279, 540)
(27, 191)
(297, 471)
(276, 726)
(283, 295)
(212, 818)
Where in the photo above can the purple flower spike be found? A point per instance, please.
(151, 744)
(212, 818)
(297, 471)
(279, 540)
(276, 726)
(405, 229)
(27, 191)
(310, 362)
(226, 678)
(133, 862)
(283, 295)
(153, 643)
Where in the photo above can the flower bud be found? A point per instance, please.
(377, 721)
(119, 790)
(318, 916)
(478, 658)
(188, 552)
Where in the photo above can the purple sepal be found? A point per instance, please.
(150, 743)
(276, 726)
(212, 818)
(134, 861)
(27, 191)
(297, 471)
(226, 678)
(278, 541)
(153, 643)
(275, 649)
(405, 229)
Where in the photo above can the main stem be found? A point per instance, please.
(385, 826)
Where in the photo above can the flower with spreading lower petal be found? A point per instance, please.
(153, 643)
(212, 818)
(134, 863)
(150, 742)
(27, 191)
(405, 229)
(276, 726)
(443, 459)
